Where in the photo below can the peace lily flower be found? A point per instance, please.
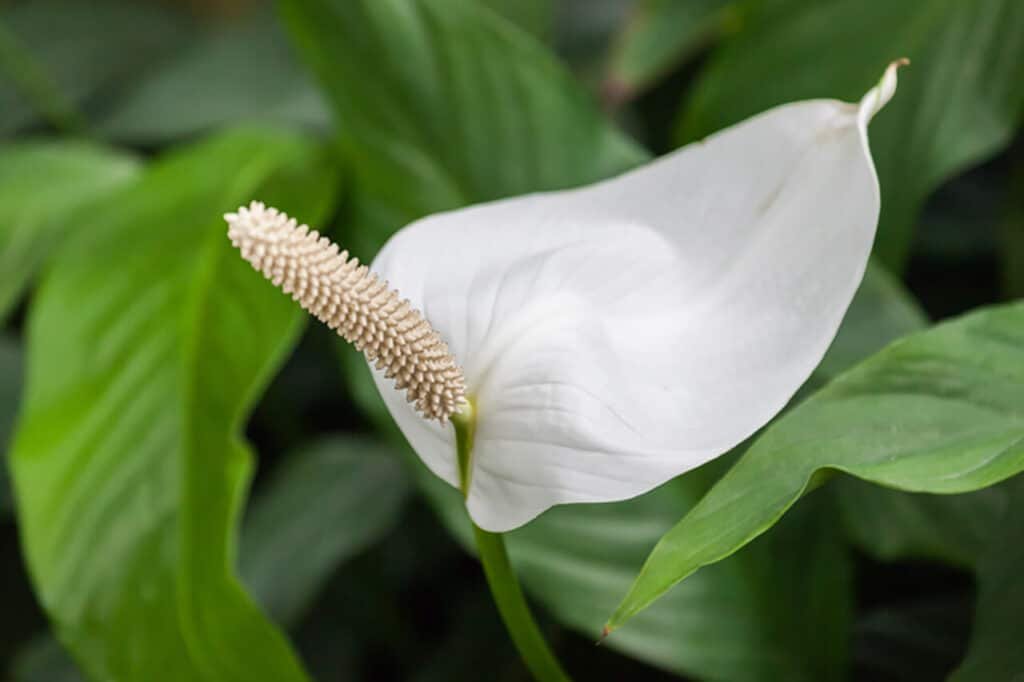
(603, 340)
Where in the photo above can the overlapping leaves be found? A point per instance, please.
(575, 580)
(148, 342)
(941, 411)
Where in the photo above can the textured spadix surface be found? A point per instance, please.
(620, 334)
(350, 299)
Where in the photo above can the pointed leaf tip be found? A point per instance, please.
(877, 97)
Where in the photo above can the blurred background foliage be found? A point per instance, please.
(130, 126)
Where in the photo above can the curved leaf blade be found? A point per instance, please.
(148, 342)
(941, 411)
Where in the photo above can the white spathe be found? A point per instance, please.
(618, 335)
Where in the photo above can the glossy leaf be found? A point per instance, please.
(778, 610)
(890, 524)
(220, 79)
(941, 411)
(441, 103)
(328, 502)
(959, 101)
(995, 652)
(45, 188)
(659, 35)
(148, 343)
(87, 49)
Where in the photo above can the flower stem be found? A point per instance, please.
(505, 589)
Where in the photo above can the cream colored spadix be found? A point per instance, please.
(352, 300)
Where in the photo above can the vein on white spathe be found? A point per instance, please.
(620, 334)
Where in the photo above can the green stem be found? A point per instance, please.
(505, 589)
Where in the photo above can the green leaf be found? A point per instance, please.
(222, 78)
(995, 652)
(889, 524)
(10, 388)
(328, 502)
(148, 343)
(659, 35)
(441, 103)
(941, 411)
(88, 49)
(958, 102)
(45, 189)
(779, 610)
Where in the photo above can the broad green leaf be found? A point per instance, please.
(148, 342)
(10, 388)
(45, 189)
(941, 411)
(88, 49)
(890, 524)
(244, 71)
(659, 35)
(441, 103)
(779, 610)
(995, 652)
(328, 502)
(958, 102)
